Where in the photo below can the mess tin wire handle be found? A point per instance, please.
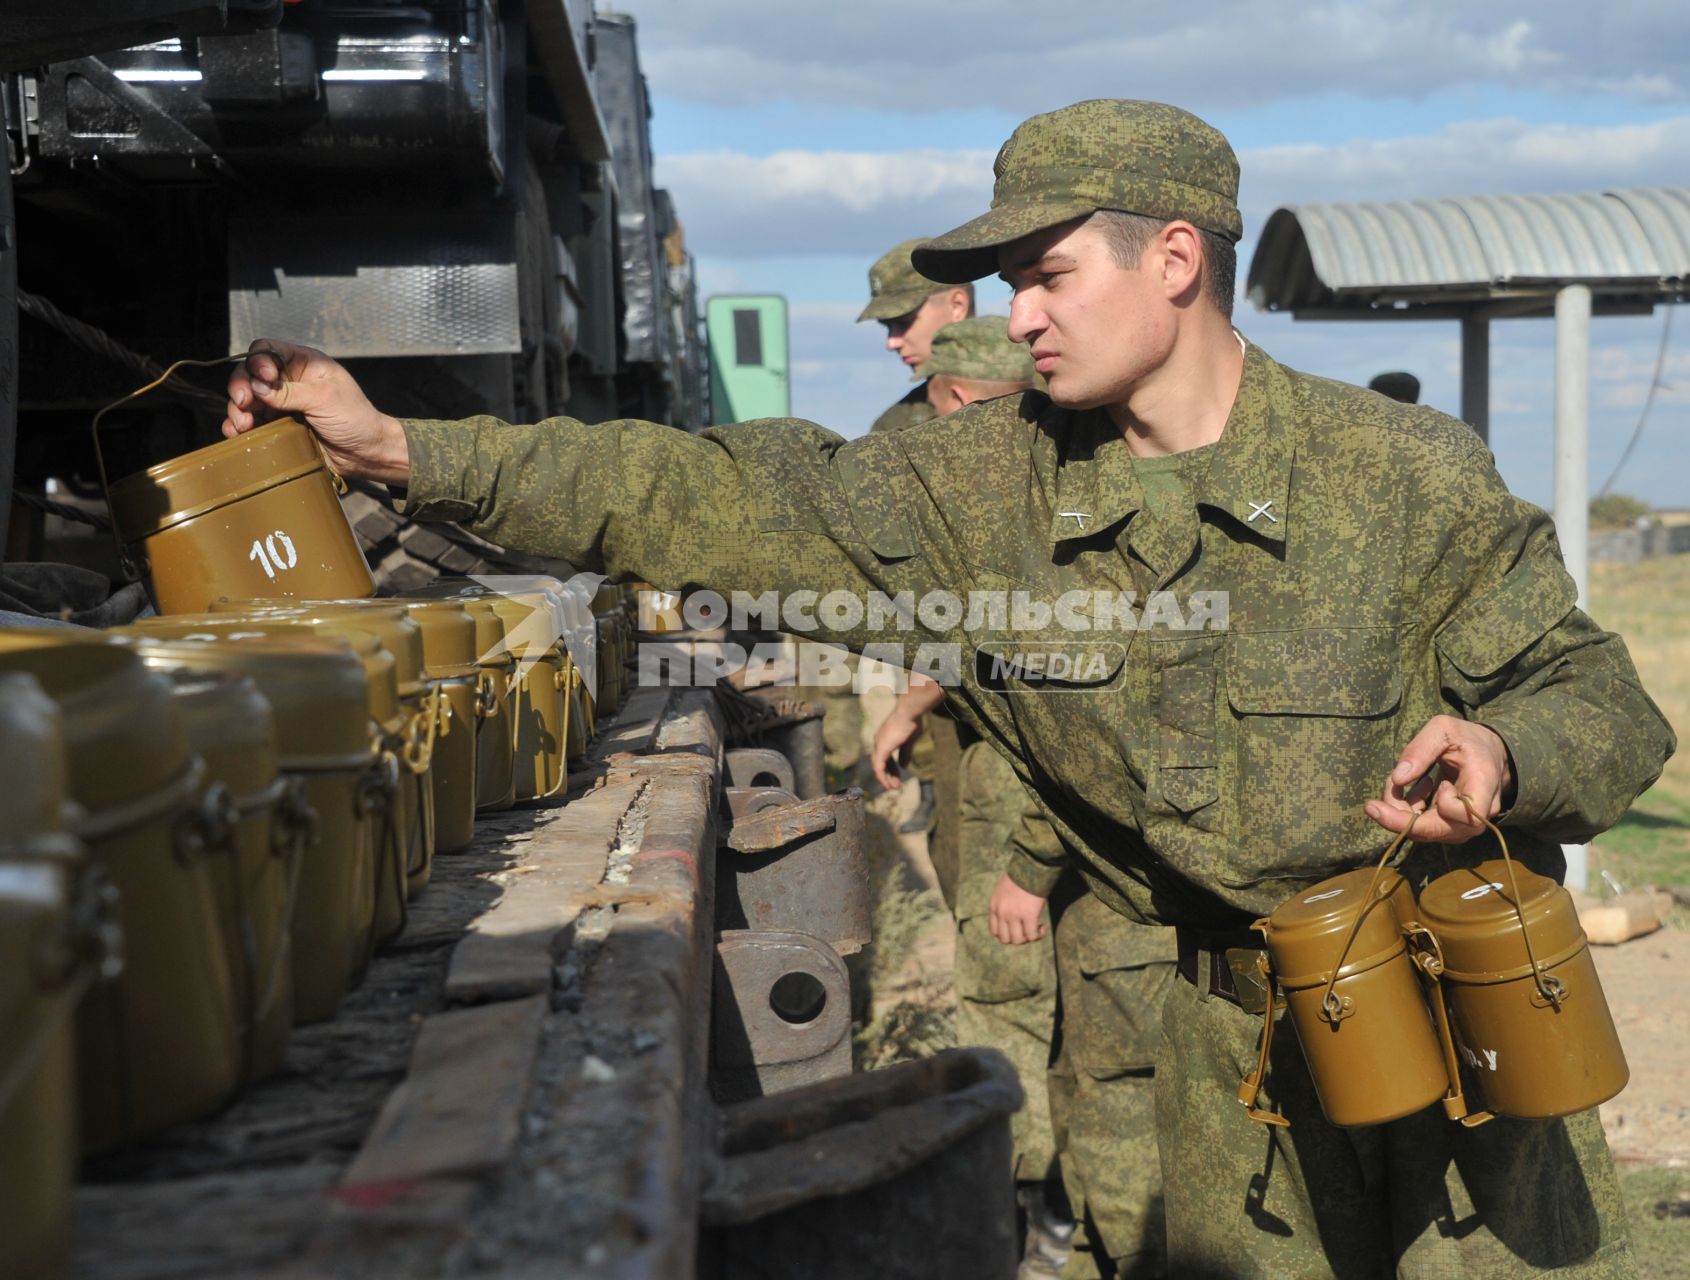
(1551, 988)
(340, 486)
(1250, 1087)
(1430, 961)
(1330, 1004)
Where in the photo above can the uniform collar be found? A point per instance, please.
(1248, 476)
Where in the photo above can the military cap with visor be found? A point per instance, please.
(895, 287)
(1108, 153)
(979, 348)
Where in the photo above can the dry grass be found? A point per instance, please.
(910, 1002)
(1649, 604)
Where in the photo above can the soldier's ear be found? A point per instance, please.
(961, 303)
(1181, 259)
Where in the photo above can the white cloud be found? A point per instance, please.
(1479, 157)
(858, 203)
(804, 202)
(923, 55)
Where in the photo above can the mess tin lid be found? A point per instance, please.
(313, 681)
(532, 606)
(389, 623)
(380, 669)
(33, 822)
(193, 484)
(1472, 912)
(490, 649)
(1306, 933)
(123, 739)
(447, 630)
(229, 722)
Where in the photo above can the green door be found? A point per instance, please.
(748, 357)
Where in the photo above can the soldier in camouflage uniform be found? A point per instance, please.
(1006, 996)
(1114, 974)
(912, 308)
(1334, 592)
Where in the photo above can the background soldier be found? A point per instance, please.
(1095, 1120)
(913, 309)
(1006, 996)
(1392, 608)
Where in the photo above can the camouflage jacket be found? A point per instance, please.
(1374, 568)
(908, 412)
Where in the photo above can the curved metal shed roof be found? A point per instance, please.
(1632, 247)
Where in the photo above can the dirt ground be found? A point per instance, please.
(1643, 978)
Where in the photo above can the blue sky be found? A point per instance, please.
(803, 139)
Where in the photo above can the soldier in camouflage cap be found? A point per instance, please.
(1308, 596)
(973, 360)
(913, 309)
(1137, 157)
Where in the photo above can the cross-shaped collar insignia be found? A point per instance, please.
(1078, 517)
(1261, 509)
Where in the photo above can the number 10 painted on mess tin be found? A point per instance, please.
(275, 553)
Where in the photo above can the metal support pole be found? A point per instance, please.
(1475, 374)
(1572, 471)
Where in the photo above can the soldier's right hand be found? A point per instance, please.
(1015, 916)
(894, 741)
(281, 378)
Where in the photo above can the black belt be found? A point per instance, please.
(1233, 974)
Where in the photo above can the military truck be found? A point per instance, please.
(456, 196)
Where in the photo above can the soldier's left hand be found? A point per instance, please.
(1473, 761)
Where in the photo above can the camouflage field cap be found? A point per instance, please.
(979, 347)
(1108, 153)
(895, 287)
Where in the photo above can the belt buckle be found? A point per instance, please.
(1247, 981)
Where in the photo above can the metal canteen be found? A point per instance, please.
(535, 627)
(495, 709)
(1529, 1017)
(378, 903)
(448, 651)
(44, 966)
(319, 695)
(156, 1044)
(255, 515)
(609, 609)
(255, 850)
(422, 705)
(1353, 995)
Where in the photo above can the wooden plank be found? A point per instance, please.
(636, 725)
(508, 950)
(125, 1231)
(459, 1110)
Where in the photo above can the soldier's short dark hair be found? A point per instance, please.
(1129, 234)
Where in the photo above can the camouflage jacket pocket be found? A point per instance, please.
(1125, 969)
(1314, 722)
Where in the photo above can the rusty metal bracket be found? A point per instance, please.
(801, 867)
(759, 766)
(777, 826)
(743, 801)
(781, 1013)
